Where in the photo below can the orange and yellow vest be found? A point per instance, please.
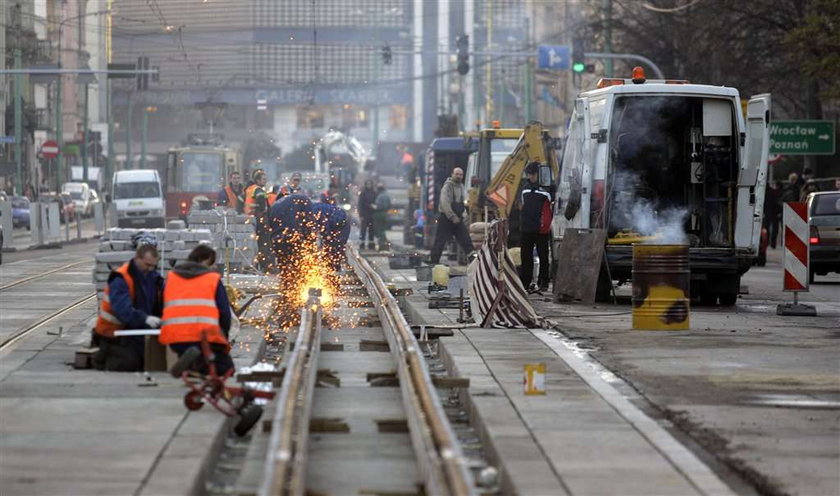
(232, 200)
(107, 322)
(271, 198)
(250, 201)
(189, 309)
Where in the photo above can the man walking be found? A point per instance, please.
(132, 300)
(535, 227)
(451, 217)
(233, 195)
(367, 197)
(194, 304)
(380, 216)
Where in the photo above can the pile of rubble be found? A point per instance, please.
(233, 235)
(115, 249)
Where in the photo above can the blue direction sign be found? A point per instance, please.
(5, 140)
(553, 57)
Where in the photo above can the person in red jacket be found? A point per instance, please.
(535, 227)
(194, 304)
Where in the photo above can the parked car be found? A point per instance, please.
(20, 211)
(66, 207)
(824, 245)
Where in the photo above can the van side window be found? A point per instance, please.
(572, 166)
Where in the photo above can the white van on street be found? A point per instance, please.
(138, 198)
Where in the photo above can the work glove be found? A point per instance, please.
(153, 322)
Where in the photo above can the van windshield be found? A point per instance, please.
(200, 172)
(148, 189)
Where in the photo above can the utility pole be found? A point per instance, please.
(18, 125)
(128, 161)
(59, 132)
(488, 68)
(109, 165)
(608, 63)
(85, 138)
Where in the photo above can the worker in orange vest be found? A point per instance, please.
(293, 186)
(195, 305)
(132, 300)
(233, 195)
(272, 195)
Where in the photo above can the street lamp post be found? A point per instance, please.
(144, 137)
(59, 132)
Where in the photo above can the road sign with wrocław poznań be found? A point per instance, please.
(802, 137)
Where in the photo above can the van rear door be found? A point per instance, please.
(752, 177)
(575, 174)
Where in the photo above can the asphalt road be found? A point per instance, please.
(756, 394)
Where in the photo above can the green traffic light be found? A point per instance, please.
(578, 67)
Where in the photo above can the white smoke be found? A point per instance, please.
(645, 216)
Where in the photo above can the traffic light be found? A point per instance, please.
(386, 55)
(142, 80)
(462, 43)
(578, 65)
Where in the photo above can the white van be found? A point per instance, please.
(669, 161)
(138, 198)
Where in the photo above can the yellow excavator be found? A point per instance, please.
(495, 171)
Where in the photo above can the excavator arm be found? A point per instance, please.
(535, 145)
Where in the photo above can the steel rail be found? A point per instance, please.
(42, 274)
(285, 466)
(442, 463)
(16, 336)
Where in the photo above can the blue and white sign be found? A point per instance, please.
(6, 140)
(555, 57)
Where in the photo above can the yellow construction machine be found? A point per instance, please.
(495, 171)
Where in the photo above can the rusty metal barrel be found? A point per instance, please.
(661, 278)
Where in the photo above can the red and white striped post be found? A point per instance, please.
(795, 259)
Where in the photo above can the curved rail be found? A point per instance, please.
(41, 275)
(16, 336)
(285, 469)
(442, 463)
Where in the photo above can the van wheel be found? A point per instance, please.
(708, 299)
(728, 299)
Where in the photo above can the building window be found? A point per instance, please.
(354, 116)
(310, 117)
(398, 117)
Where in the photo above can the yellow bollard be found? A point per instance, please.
(534, 380)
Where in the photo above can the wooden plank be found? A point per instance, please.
(580, 255)
(373, 345)
(328, 425)
(451, 382)
(391, 425)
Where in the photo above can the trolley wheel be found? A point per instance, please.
(247, 418)
(185, 361)
(193, 400)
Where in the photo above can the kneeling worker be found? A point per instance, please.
(131, 301)
(195, 303)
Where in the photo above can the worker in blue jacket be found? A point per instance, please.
(333, 226)
(292, 228)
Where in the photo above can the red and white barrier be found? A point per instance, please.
(795, 218)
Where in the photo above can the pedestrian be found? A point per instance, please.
(233, 195)
(407, 164)
(773, 212)
(381, 206)
(451, 219)
(367, 197)
(535, 227)
(790, 190)
(132, 300)
(293, 186)
(809, 187)
(256, 204)
(332, 224)
(271, 196)
(196, 307)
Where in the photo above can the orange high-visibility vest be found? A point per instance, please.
(232, 200)
(271, 198)
(107, 322)
(189, 309)
(250, 201)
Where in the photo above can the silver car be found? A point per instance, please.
(824, 245)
